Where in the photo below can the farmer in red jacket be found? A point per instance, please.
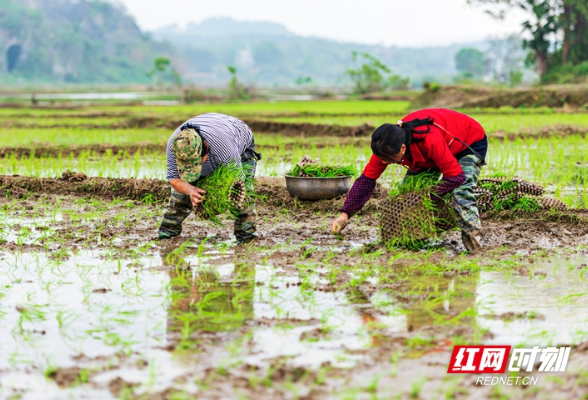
(431, 140)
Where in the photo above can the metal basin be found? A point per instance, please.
(318, 188)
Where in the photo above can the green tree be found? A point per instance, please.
(542, 24)
(558, 33)
(470, 62)
(236, 89)
(515, 77)
(161, 63)
(162, 72)
(303, 80)
(373, 75)
(73, 41)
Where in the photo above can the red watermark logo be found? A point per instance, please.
(478, 360)
(494, 359)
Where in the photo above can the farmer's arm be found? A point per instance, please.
(453, 175)
(361, 191)
(184, 187)
(173, 176)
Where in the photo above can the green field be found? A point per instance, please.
(92, 305)
(557, 162)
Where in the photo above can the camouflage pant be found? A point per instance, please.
(463, 201)
(180, 206)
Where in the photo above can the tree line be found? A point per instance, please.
(556, 35)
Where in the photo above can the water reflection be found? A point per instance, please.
(443, 299)
(203, 300)
(421, 302)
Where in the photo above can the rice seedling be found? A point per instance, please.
(410, 216)
(115, 291)
(228, 191)
(323, 170)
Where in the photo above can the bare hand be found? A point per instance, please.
(340, 223)
(196, 195)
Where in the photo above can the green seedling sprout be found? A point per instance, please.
(323, 170)
(409, 226)
(220, 188)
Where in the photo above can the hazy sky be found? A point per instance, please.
(390, 22)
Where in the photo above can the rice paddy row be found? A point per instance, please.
(92, 306)
(561, 164)
(341, 113)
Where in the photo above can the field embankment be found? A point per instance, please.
(484, 97)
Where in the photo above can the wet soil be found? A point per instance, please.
(66, 377)
(138, 189)
(559, 130)
(271, 191)
(294, 240)
(306, 129)
(278, 214)
(301, 129)
(125, 150)
(94, 149)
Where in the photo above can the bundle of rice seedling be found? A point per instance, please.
(505, 185)
(409, 216)
(513, 193)
(310, 168)
(227, 192)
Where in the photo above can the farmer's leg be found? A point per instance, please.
(177, 210)
(463, 201)
(245, 226)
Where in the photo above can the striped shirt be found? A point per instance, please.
(227, 138)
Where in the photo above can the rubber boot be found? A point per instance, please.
(245, 237)
(472, 240)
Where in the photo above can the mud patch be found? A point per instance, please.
(76, 150)
(138, 189)
(288, 129)
(118, 385)
(303, 313)
(126, 150)
(512, 315)
(66, 377)
(269, 190)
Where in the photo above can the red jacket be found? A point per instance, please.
(437, 149)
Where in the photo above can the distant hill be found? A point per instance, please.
(267, 53)
(224, 27)
(78, 41)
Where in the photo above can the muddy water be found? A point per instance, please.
(546, 306)
(116, 315)
(92, 307)
(167, 319)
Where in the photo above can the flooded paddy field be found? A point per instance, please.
(92, 306)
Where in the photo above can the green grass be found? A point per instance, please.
(491, 122)
(30, 137)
